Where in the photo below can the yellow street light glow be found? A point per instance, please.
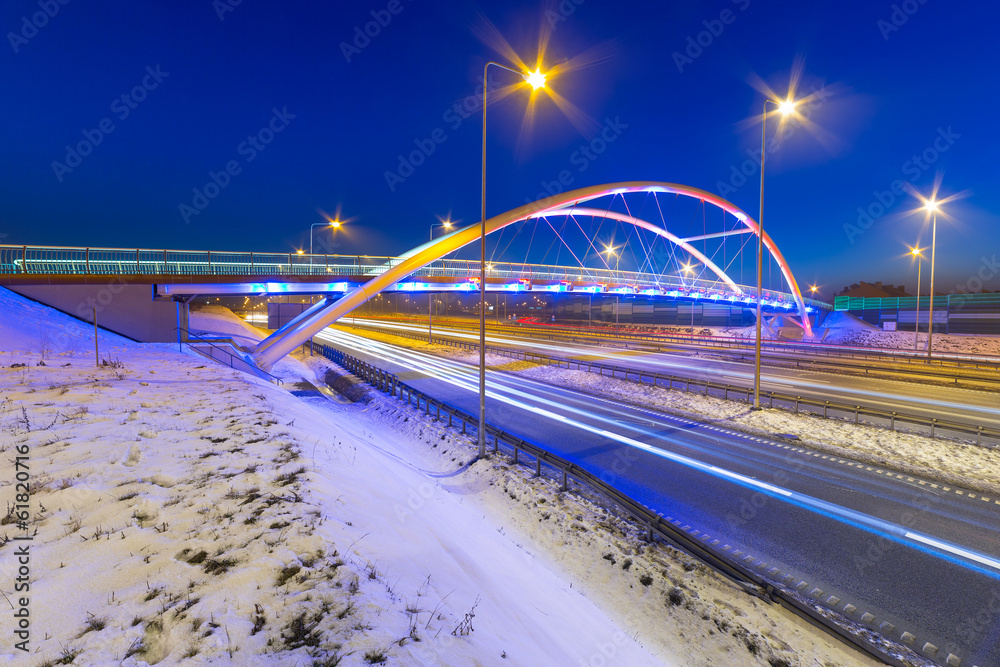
(447, 224)
(688, 267)
(813, 289)
(931, 205)
(915, 252)
(298, 252)
(489, 267)
(335, 224)
(535, 79)
(787, 107)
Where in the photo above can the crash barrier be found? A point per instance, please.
(983, 436)
(654, 523)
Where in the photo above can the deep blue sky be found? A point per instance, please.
(892, 93)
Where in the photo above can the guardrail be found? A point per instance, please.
(816, 349)
(234, 361)
(936, 428)
(655, 524)
(27, 259)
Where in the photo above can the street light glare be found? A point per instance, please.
(931, 205)
(535, 79)
(915, 251)
(335, 224)
(787, 107)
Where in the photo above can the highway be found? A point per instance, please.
(917, 398)
(908, 557)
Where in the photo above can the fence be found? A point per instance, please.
(222, 355)
(935, 428)
(653, 522)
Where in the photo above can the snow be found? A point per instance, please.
(182, 512)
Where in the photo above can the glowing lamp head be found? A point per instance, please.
(813, 289)
(535, 79)
(335, 224)
(915, 252)
(447, 224)
(688, 268)
(787, 107)
(931, 205)
(298, 252)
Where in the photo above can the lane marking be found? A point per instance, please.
(971, 555)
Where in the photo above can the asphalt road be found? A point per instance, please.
(918, 556)
(920, 399)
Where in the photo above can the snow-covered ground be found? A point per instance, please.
(182, 512)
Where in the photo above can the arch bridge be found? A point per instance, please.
(391, 275)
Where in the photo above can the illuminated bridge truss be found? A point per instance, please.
(425, 269)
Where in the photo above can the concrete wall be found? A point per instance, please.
(128, 310)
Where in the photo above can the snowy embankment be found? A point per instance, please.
(181, 512)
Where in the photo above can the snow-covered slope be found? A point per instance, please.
(181, 512)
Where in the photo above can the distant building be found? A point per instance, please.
(872, 290)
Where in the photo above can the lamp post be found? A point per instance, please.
(785, 108)
(333, 224)
(688, 268)
(430, 295)
(611, 251)
(915, 251)
(932, 206)
(536, 80)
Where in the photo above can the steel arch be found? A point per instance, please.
(295, 333)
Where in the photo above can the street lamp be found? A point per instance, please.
(915, 251)
(688, 268)
(430, 296)
(332, 224)
(932, 206)
(536, 80)
(785, 108)
(610, 250)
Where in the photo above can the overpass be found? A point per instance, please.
(79, 279)
(86, 282)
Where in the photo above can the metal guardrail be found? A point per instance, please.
(816, 349)
(26, 259)
(654, 523)
(935, 428)
(242, 365)
(557, 333)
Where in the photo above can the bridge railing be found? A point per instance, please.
(27, 259)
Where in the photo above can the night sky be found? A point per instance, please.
(908, 91)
